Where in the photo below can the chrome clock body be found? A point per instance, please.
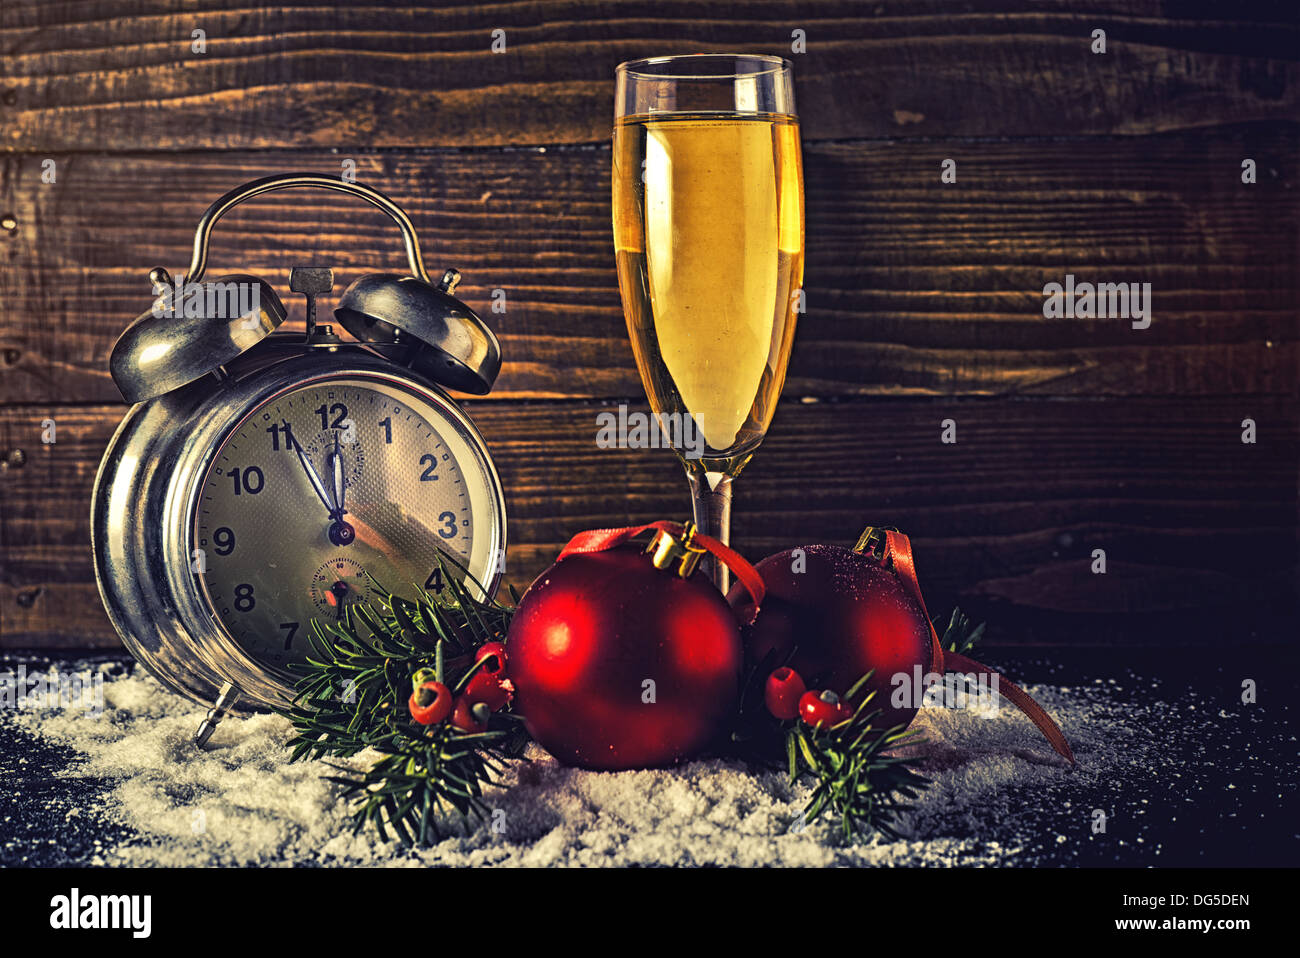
(155, 573)
(212, 386)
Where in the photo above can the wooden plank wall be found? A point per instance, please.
(924, 298)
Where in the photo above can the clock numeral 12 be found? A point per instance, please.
(338, 411)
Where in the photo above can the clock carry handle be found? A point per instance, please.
(287, 181)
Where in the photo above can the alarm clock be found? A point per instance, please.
(262, 480)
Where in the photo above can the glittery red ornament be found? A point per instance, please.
(835, 614)
(620, 664)
(842, 614)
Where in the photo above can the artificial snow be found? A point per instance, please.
(242, 803)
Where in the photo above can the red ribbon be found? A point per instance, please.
(899, 548)
(598, 540)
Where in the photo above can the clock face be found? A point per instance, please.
(327, 494)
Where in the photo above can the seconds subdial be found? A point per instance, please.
(338, 583)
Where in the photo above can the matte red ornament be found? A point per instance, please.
(619, 664)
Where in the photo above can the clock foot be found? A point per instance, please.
(220, 707)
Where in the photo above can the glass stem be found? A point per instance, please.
(711, 503)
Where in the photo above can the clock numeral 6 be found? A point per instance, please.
(244, 601)
(250, 480)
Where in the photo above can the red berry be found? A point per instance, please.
(430, 703)
(490, 689)
(495, 653)
(823, 708)
(470, 716)
(783, 691)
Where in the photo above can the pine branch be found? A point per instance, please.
(859, 778)
(857, 775)
(353, 695)
(960, 636)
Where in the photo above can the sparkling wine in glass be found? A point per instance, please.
(709, 242)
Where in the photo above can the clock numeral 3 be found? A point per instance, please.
(449, 530)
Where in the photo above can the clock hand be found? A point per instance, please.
(340, 590)
(312, 475)
(340, 484)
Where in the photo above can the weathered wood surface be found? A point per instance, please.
(1199, 529)
(913, 286)
(427, 76)
(924, 298)
(82, 77)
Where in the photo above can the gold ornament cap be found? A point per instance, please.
(871, 540)
(679, 553)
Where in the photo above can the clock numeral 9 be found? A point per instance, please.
(244, 601)
(250, 481)
(224, 539)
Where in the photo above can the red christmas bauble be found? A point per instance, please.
(589, 636)
(842, 614)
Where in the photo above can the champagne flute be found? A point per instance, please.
(709, 241)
